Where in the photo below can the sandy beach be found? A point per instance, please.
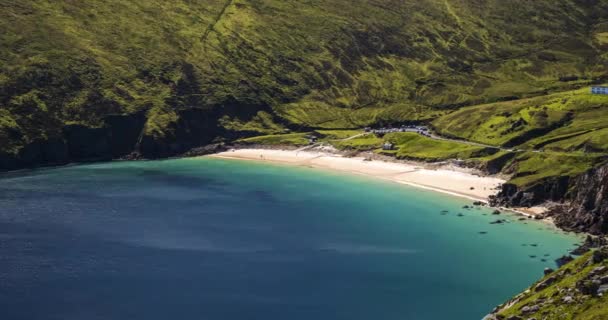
(455, 181)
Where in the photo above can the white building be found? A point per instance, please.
(599, 90)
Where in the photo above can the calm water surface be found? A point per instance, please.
(222, 239)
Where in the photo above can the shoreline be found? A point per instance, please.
(460, 182)
(303, 158)
(447, 179)
(386, 169)
(316, 166)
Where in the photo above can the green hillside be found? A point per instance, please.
(267, 64)
(568, 121)
(505, 83)
(551, 136)
(575, 291)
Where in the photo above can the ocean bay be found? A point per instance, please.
(219, 239)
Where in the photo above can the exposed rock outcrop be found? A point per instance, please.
(584, 199)
(587, 208)
(76, 143)
(551, 189)
(190, 131)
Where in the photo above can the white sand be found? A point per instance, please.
(459, 182)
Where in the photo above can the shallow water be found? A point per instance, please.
(224, 239)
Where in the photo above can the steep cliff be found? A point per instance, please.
(587, 203)
(580, 201)
(118, 136)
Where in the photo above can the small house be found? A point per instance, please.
(388, 146)
(599, 90)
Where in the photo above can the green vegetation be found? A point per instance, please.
(291, 139)
(567, 293)
(262, 66)
(330, 135)
(567, 121)
(161, 121)
(363, 143)
(261, 123)
(602, 37)
(533, 167)
(568, 130)
(265, 68)
(414, 146)
(302, 139)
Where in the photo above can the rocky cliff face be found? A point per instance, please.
(550, 189)
(119, 136)
(587, 209)
(584, 199)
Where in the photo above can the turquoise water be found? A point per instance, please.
(224, 239)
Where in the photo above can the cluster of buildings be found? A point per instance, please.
(599, 90)
(423, 130)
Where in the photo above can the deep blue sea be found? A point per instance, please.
(226, 239)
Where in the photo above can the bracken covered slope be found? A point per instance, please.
(183, 73)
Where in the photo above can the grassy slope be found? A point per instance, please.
(364, 143)
(550, 300)
(532, 168)
(568, 128)
(415, 146)
(291, 139)
(575, 116)
(318, 63)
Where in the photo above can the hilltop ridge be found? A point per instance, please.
(123, 79)
(259, 67)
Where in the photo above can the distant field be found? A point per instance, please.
(568, 121)
(293, 139)
(415, 146)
